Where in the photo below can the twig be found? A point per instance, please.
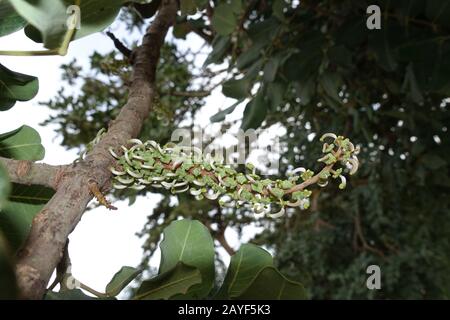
(28, 172)
(119, 45)
(360, 236)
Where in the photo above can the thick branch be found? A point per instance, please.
(28, 172)
(52, 226)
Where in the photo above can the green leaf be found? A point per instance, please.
(16, 86)
(10, 21)
(244, 267)
(220, 116)
(331, 84)
(220, 46)
(180, 30)
(17, 215)
(271, 68)
(255, 111)
(247, 57)
(224, 21)
(173, 283)
(275, 93)
(237, 89)
(5, 186)
(188, 7)
(305, 90)
(75, 294)
(121, 279)
(190, 242)
(50, 17)
(8, 287)
(277, 9)
(270, 284)
(264, 32)
(23, 143)
(236, 6)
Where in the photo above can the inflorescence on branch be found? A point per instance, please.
(185, 169)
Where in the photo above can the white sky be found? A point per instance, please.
(103, 241)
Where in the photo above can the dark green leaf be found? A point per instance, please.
(220, 116)
(255, 111)
(121, 279)
(237, 89)
(411, 87)
(180, 30)
(271, 68)
(270, 284)
(16, 86)
(275, 93)
(173, 283)
(277, 9)
(248, 56)
(188, 7)
(220, 46)
(224, 20)
(244, 267)
(305, 91)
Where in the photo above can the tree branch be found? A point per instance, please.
(28, 172)
(119, 45)
(53, 224)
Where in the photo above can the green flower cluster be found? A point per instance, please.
(186, 169)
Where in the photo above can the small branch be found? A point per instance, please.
(28, 172)
(360, 236)
(119, 45)
(314, 178)
(219, 235)
(224, 243)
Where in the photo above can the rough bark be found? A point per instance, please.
(28, 172)
(52, 226)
